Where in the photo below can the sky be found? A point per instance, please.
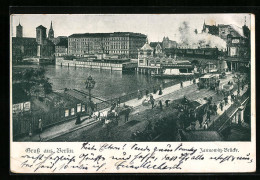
(155, 26)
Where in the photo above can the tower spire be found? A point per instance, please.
(51, 25)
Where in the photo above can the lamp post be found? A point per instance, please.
(90, 83)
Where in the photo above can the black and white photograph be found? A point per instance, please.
(130, 77)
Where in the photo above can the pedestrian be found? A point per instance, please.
(30, 131)
(226, 100)
(40, 125)
(181, 84)
(118, 102)
(221, 106)
(146, 92)
(232, 97)
(194, 81)
(200, 117)
(208, 115)
(78, 119)
(154, 90)
(138, 94)
(167, 102)
(92, 107)
(215, 108)
(152, 102)
(127, 112)
(160, 90)
(160, 103)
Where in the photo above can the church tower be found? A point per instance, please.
(51, 33)
(19, 30)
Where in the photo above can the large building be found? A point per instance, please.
(211, 29)
(167, 43)
(237, 38)
(45, 47)
(238, 45)
(40, 34)
(118, 43)
(23, 47)
(223, 30)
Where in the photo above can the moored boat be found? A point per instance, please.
(176, 69)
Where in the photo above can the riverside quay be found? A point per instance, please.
(182, 81)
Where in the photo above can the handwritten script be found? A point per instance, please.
(138, 157)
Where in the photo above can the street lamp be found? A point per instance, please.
(90, 83)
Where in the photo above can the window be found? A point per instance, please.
(66, 113)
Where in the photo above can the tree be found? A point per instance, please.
(30, 82)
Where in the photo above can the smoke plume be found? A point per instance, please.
(188, 38)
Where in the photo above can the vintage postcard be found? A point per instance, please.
(132, 93)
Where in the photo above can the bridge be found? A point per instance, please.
(232, 116)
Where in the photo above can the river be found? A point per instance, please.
(109, 84)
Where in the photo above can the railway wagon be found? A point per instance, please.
(207, 53)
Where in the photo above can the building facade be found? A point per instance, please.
(167, 43)
(19, 31)
(40, 34)
(59, 38)
(157, 48)
(238, 46)
(144, 54)
(211, 29)
(61, 49)
(45, 47)
(23, 48)
(117, 43)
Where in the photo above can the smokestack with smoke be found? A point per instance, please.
(188, 38)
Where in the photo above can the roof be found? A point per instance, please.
(201, 136)
(154, 44)
(89, 35)
(63, 42)
(238, 30)
(41, 27)
(79, 35)
(147, 47)
(127, 33)
(207, 76)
